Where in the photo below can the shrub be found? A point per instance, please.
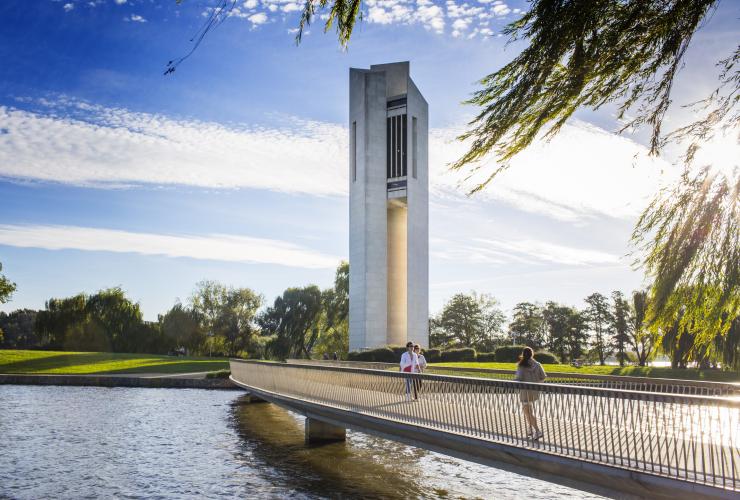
(546, 358)
(508, 353)
(486, 357)
(464, 354)
(398, 351)
(381, 355)
(218, 374)
(432, 355)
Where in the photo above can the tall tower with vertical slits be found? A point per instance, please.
(389, 208)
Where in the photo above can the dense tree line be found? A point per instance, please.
(217, 320)
(220, 320)
(608, 326)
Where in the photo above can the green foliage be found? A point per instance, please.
(644, 337)
(293, 321)
(527, 325)
(219, 374)
(104, 321)
(690, 236)
(398, 351)
(184, 327)
(484, 357)
(115, 317)
(729, 346)
(7, 287)
(342, 14)
(621, 325)
(464, 354)
(584, 53)
(228, 314)
(508, 353)
(432, 355)
(379, 355)
(334, 319)
(468, 320)
(18, 329)
(58, 317)
(600, 319)
(557, 320)
(631, 371)
(546, 358)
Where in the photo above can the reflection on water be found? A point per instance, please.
(370, 467)
(85, 442)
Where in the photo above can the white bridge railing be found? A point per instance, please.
(685, 437)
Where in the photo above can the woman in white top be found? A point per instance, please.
(529, 370)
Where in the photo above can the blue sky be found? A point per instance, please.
(234, 168)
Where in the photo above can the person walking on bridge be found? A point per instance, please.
(410, 364)
(419, 369)
(529, 370)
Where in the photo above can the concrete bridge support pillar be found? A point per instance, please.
(321, 432)
(247, 399)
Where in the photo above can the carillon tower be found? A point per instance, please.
(389, 208)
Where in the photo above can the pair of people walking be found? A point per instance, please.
(413, 361)
(528, 370)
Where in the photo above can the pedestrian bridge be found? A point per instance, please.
(648, 441)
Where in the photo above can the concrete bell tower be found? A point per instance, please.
(389, 208)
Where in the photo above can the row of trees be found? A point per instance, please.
(307, 321)
(607, 326)
(216, 320)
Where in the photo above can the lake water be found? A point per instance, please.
(90, 442)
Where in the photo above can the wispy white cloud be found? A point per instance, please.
(68, 7)
(217, 247)
(115, 147)
(525, 251)
(583, 172)
(470, 19)
(135, 18)
(257, 19)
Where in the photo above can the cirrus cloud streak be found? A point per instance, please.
(218, 247)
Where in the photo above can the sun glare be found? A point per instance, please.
(722, 152)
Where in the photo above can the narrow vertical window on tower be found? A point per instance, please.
(388, 148)
(398, 147)
(404, 142)
(353, 152)
(414, 149)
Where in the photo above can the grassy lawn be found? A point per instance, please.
(12, 361)
(632, 371)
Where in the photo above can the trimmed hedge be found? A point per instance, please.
(486, 357)
(432, 355)
(379, 355)
(398, 351)
(546, 358)
(219, 374)
(508, 353)
(464, 354)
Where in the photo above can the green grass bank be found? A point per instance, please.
(631, 371)
(78, 363)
